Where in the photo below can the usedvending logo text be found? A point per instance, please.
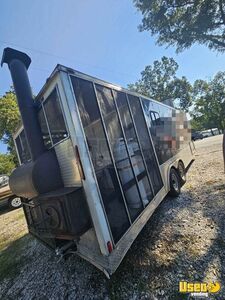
(198, 289)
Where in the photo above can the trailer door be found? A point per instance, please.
(127, 175)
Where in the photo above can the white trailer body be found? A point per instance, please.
(115, 145)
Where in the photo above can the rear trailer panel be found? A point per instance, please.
(114, 149)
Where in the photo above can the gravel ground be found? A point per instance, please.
(184, 240)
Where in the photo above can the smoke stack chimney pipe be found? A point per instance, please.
(18, 63)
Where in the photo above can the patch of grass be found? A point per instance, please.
(13, 238)
(12, 259)
(20, 216)
(191, 242)
(12, 227)
(188, 186)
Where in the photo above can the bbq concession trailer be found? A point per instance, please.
(95, 161)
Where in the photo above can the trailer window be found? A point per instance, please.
(22, 147)
(98, 147)
(155, 118)
(44, 129)
(119, 145)
(133, 145)
(54, 115)
(162, 123)
(145, 142)
(51, 120)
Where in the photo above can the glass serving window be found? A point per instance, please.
(145, 142)
(22, 147)
(51, 120)
(121, 150)
(118, 145)
(101, 158)
(133, 146)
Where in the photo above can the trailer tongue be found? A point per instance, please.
(95, 161)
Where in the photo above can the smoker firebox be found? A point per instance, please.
(62, 214)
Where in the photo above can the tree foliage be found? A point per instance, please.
(209, 103)
(182, 23)
(7, 163)
(160, 82)
(9, 119)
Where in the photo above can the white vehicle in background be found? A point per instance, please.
(210, 132)
(6, 195)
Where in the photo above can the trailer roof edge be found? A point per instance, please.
(62, 68)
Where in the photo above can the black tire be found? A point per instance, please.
(175, 185)
(182, 172)
(15, 202)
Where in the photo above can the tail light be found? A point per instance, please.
(109, 246)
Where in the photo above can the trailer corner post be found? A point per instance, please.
(92, 193)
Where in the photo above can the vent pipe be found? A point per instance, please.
(18, 63)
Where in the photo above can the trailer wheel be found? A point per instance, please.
(175, 184)
(182, 172)
(15, 202)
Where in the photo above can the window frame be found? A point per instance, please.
(41, 106)
(154, 121)
(18, 136)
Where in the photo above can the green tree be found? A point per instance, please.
(7, 163)
(9, 120)
(209, 103)
(196, 124)
(159, 82)
(182, 23)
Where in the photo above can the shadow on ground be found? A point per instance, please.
(166, 251)
(12, 258)
(4, 209)
(157, 261)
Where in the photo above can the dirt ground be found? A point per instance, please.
(184, 240)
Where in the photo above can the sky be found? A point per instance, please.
(97, 37)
